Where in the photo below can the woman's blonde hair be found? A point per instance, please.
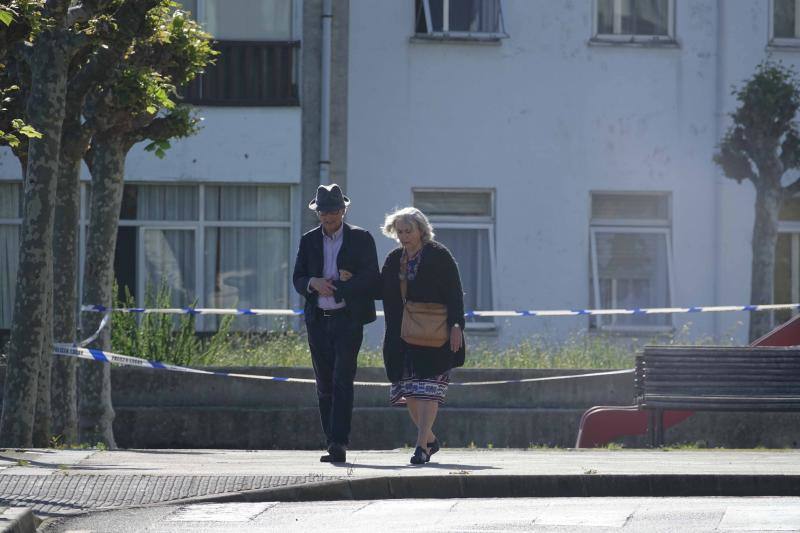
(408, 215)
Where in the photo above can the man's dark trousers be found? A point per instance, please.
(334, 342)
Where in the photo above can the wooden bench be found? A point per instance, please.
(715, 378)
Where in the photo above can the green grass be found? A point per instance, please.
(582, 350)
(291, 349)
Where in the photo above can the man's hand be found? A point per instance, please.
(323, 286)
(345, 275)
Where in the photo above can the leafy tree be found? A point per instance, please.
(67, 40)
(140, 105)
(763, 147)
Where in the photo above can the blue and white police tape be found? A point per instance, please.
(526, 313)
(70, 350)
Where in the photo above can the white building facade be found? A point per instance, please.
(563, 151)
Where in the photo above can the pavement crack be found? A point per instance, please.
(362, 507)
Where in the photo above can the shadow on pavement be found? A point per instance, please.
(443, 466)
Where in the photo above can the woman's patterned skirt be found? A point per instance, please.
(433, 388)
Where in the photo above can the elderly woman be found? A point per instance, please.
(420, 374)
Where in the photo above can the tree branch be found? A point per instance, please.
(130, 17)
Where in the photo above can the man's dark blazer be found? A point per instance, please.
(357, 255)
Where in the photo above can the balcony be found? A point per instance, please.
(248, 73)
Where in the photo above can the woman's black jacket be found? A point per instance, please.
(437, 281)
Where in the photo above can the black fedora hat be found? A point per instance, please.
(329, 198)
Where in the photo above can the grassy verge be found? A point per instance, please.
(291, 349)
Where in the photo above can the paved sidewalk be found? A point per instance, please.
(60, 482)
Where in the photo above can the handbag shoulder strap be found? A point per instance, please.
(402, 273)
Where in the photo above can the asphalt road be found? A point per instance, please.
(651, 515)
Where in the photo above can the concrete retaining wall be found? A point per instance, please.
(159, 409)
(166, 409)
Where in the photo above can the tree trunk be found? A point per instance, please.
(765, 238)
(45, 112)
(43, 419)
(63, 391)
(108, 167)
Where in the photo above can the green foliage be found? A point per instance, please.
(763, 127)
(6, 15)
(163, 337)
(160, 148)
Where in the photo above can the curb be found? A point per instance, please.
(510, 486)
(18, 520)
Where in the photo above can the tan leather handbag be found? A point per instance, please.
(424, 324)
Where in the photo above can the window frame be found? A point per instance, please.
(199, 227)
(783, 42)
(662, 226)
(447, 35)
(471, 222)
(633, 38)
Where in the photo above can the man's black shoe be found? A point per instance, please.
(337, 453)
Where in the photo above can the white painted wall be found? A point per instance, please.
(235, 144)
(545, 117)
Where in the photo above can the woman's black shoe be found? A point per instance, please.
(420, 456)
(434, 447)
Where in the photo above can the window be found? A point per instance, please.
(216, 245)
(257, 64)
(244, 20)
(786, 287)
(631, 258)
(468, 19)
(463, 220)
(10, 223)
(634, 20)
(785, 23)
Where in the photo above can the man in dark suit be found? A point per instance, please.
(335, 310)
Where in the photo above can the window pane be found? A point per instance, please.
(453, 203)
(437, 15)
(470, 247)
(784, 19)
(605, 16)
(253, 203)
(159, 202)
(9, 264)
(633, 17)
(125, 263)
(10, 200)
(169, 262)
(249, 20)
(630, 206)
(651, 17)
(247, 268)
(474, 15)
(632, 268)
